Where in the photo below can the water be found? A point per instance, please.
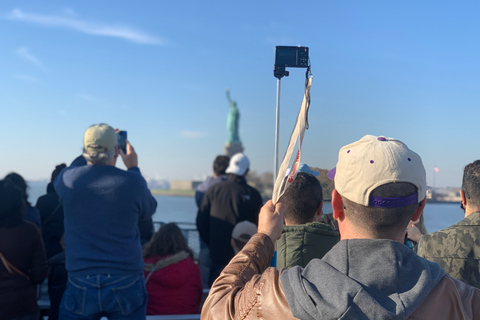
(183, 209)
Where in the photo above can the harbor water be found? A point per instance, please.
(183, 209)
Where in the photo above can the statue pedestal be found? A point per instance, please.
(233, 148)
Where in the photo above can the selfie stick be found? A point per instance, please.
(277, 131)
(285, 56)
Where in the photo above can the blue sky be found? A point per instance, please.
(159, 69)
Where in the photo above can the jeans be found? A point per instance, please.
(204, 264)
(113, 296)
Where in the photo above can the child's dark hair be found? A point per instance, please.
(168, 240)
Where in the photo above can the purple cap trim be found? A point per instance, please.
(381, 139)
(331, 174)
(393, 202)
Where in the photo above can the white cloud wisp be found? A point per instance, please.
(85, 26)
(25, 53)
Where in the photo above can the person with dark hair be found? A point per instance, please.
(380, 185)
(29, 213)
(51, 213)
(224, 205)
(304, 237)
(173, 279)
(457, 248)
(220, 164)
(23, 264)
(102, 205)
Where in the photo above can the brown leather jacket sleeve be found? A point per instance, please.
(246, 289)
(450, 299)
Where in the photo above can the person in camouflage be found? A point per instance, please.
(457, 248)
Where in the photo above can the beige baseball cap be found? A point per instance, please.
(244, 230)
(372, 162)
(100, 138)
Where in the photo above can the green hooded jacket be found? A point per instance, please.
(301, 243)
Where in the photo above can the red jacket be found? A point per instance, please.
(175, 288)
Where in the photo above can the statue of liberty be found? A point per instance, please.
(232, 121)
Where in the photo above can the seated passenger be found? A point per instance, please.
(23, 264)
(303, 236)
(173, 280)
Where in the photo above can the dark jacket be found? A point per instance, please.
(352, 281)
(31, 214)
(456, 249)
(22, 246)
(223, 206)
(301, 243)
(51, 213)
(205, 185)
(57, 283)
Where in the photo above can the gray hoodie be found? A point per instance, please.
(361, 279)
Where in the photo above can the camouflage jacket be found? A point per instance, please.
(456, 249)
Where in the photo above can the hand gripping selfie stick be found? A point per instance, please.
(285, 56)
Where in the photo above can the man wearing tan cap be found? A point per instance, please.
(380, 185)
(102, 205)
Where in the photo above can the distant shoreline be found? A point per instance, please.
(191, 193)
(173, 193)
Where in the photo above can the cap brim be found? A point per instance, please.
(331, 174)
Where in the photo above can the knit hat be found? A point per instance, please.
(372, 162)
(100, 138)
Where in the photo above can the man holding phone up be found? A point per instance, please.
(102, 205)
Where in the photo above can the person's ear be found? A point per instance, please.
(318, 213)
(419, 209)
(464, 198)
(337, 205)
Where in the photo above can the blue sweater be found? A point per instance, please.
(102, 205)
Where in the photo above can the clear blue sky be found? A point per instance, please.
(159, 69)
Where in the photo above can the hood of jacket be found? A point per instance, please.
(299, 244)
(361, 279)
(170, 271)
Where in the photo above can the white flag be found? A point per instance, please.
(282, 182)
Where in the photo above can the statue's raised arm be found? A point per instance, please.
(232, 120)
(227, 91)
